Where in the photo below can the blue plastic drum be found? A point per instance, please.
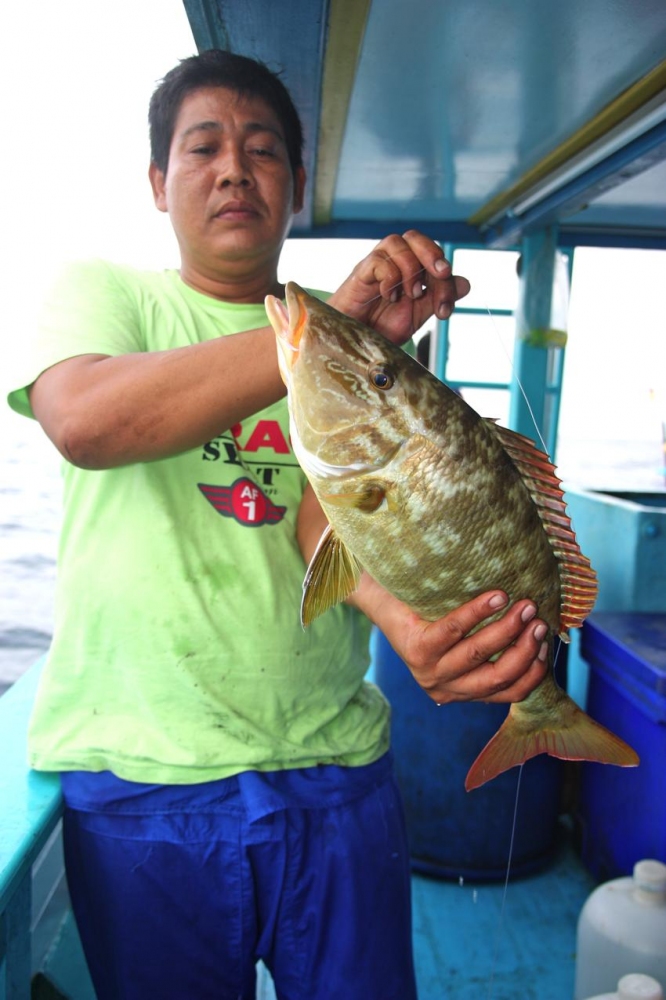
(454, 833)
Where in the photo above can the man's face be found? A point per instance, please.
(229, 187)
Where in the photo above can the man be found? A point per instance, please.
(226, 775)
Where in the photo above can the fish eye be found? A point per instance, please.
(382, 377)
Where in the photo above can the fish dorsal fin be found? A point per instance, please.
(332, 575)
(578, 581)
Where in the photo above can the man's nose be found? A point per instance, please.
(234, 169)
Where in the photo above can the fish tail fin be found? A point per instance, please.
(567, 732)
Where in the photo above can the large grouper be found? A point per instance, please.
(438, 505)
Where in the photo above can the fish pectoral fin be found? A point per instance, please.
(367, 498)
(332, 575)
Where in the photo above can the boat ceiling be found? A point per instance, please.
(477, 121)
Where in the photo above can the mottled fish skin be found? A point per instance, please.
(458, 528)
(426, 496)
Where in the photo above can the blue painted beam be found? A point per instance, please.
(634, 158)
(528, 412)
(207, 28)
(464, 235)
(445, 231)
(454, 383)
(637, 239)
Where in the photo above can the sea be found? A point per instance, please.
(30, 513)
(30, 504)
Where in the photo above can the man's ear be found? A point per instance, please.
(299, 189)
(158, 184)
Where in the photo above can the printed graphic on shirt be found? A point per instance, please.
(244, 501)
(261, 450)
(254, 457)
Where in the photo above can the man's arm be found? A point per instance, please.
(103, 411)
(449, 664)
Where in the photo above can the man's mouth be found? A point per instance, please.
(236, 210)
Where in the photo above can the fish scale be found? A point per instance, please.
(438, 505)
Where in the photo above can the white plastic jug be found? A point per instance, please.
(622, 930)
(634, 987)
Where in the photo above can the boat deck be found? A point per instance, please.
(473, 941)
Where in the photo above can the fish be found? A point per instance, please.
(438, 505)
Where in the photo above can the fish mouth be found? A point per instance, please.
(289, 324)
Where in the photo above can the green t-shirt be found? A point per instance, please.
(178, 655)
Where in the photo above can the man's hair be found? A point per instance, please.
(219, 68)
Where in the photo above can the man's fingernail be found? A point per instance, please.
(417, 290)
(444, 310)
(394, 296)
(540, 632)
(498, 601)
(442, 265)
(527, 613)
(543, 652)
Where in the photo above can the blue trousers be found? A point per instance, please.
(181, 904)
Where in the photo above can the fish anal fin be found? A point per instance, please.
(367, 498)
(332, 575)
(570, 735)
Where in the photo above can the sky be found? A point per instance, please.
(74, 148)
(75, 81)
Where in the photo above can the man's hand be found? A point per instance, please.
(402, 283)
(451, 665)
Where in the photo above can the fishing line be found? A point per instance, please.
(500, 924)
(392, 288)
(518, 382)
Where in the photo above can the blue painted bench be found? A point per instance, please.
(37, 932)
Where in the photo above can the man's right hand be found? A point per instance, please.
(402, 283)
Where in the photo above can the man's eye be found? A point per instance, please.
(203, 150)
(261, 151)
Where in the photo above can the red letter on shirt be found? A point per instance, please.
(267, 434)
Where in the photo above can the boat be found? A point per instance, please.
(519, 127)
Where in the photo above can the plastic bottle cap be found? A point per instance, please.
(638, 987)
(650, 880)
